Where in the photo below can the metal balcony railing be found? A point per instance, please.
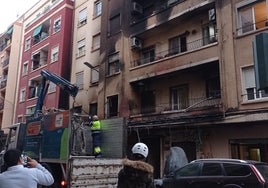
(200, 104)
(1, 105)
(249, 26)
(3, 83)
(191, 46)
(5, 62)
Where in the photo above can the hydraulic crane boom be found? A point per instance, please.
(59, 81)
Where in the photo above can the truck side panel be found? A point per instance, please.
(86, 172)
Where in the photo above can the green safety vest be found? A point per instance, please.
(96, 126)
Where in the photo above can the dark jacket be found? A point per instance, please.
(135, 174)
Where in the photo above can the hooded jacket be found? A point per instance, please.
(135, 174)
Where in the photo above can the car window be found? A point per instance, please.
(236, 169)
(188, 170)
(211, 169)
(263, 169)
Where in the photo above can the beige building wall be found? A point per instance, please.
(10, 72)
(86, 30)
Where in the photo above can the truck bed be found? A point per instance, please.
(87, 171)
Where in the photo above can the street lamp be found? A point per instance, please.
(91, 66)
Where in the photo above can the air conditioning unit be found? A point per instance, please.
(136, 43)
(137, 8)
(170, 2)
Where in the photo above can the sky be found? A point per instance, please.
(10, 10)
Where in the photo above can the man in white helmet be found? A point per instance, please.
(136, 173)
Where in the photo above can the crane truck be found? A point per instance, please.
(62, 141)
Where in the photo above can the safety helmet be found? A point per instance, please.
(140, 148)
(95, 117)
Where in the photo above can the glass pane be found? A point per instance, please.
(236, 170)
(247, 22)
(211, 169)
(189, 170)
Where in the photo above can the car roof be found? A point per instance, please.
(228, 160)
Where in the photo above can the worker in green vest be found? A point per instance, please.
(96, 136)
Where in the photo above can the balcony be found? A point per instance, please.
(190, 47)
(41, 32)
(5, 62)
(3, 83)
(2, 105)
(151, 16)
(199, 110)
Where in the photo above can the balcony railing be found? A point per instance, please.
(249, 27)
(1, 105)
(194, 104)
(191, 46)
(3, 83)
(5, 62)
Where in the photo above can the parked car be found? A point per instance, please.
(217, 173)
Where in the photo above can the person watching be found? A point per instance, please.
(136, 173)
(18, 176)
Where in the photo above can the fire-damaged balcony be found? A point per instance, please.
(180, 97)
(148, 55)
(152, 15)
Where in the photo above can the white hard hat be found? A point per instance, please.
(140, 148)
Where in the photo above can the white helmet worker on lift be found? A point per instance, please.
(140, 151)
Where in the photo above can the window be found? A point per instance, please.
(80, 79)
(20, 119)
(115, 25)
(179, 97)
(97, 8)
(177, 45)
(250, 91)
(93, 109)
(82, 17)
(189, 170)
(40, 58)
(236, 170)
(113, 64)
(41, 32)
(148, 55)
(213, 88)
(57, 25)
(55, 54)
(34, 88)
(96, 42)
(209, 33)
(147, 101)
(25, 68)
(252, 16)
(112, 108)
(95, 75)
(81, 48)
(211, 169)
(22, 95)
(30, 110)
(27, 44)
(51, 87)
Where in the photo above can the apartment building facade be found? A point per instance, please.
(46, 45)
(10, 43)
(181, 72)
(86, 55)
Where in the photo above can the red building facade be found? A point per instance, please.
(46, 45)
